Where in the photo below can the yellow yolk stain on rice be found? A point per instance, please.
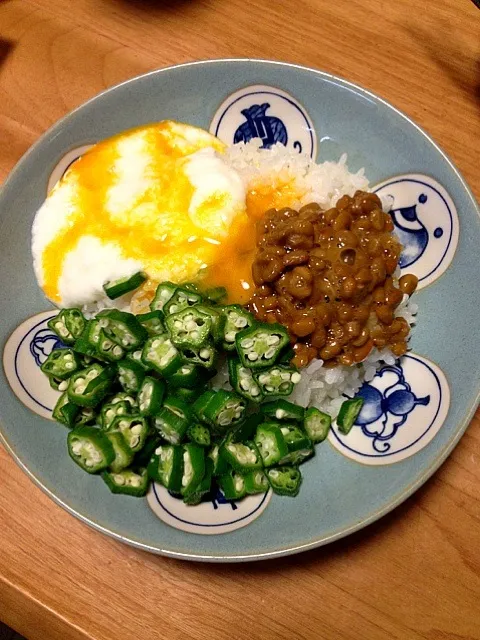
(233, 270)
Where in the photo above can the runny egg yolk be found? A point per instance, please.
(180, 214)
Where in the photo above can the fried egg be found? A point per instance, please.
(159, 199)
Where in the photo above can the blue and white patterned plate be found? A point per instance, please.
(415, 410)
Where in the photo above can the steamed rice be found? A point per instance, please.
(325, 183)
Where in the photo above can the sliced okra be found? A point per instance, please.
(150, 396)
(193, 468)
(243, 457)
(123, 453)
(65, 411)
(108, 349)
(204, 488)
(243, 382)
(270, 443)
(88, 387)
(236, 319)
(163, 294)
(110, 411)
(116, 288)
(316, 424)
(348, 414)
(285, 481)
(300, 447)
(128, 482)
(181, 299)
(277, 380)
(205, 356)
(130, 375)
(123, 328)
(68, 325)
(153, 322)
(199, 434)
(220, 465)
(170, 425)
(161, 355)
(232, 485)
(90, 448)
(166, 467)
(283, 410)
(260, 345)
(134, 428)
(256, 482)
(224, 409)
(189, 328)
(61, 364)
(188, 376)
(217, 321)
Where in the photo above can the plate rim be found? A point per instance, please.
(312, 543)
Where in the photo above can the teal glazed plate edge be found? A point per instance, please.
(346, 486)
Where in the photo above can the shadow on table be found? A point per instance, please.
(445, 48)
(150, 6)
(6, 46)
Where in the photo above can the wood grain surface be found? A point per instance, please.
(413, 575)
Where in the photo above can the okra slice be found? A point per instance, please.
(270, 443)
(260, 345)
(188, 376)
(108, 349)
(128, 482)
(348, 414)
(300, 447)
(181, 299)
(164, 292)
(130, 375)
(87, 415)
(224, 410)
(123, 328)
(236, 319)
(123, 396)
(143, 457)
(166, 467)
(123, 453)
(161, 355)
(88, 387)
(57, 384)
(316, 424)
(246, 429)
(201, 403)
(189, 328)
(188, 395)
(216, 295)
(135, 430)
(61, 364)
(242, 457)
(278, 380)
(220, 465)
(110, 411)
(68, 325)
(193, 468)
(232, 485)
(150, 396)
(285, 481)
(136, 356)
(205, 356)
(153, 322)
(256, 482)
(217, 319)
(204, 488)
(90, 448)
(116, 288)
(243, 382)
(283, 410)
(170, 425)
(65, 411)
(199, 434)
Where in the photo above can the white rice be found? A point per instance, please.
(325, 183)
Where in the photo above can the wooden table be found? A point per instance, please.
(416, 573)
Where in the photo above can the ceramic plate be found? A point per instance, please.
(415, 410)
